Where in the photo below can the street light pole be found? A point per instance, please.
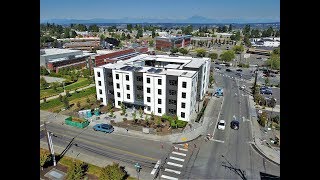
(50, 145)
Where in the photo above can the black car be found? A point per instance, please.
(240, 70)
(235, 124)
(228, 70)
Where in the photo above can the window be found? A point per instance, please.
(183, 105)
(100, 91)
(139, 78)
(148, 90)
(139, 97)
(98, 73)
(127, 77)
(140, 88)
(128, 87)
(99, 83)
(128, 96)
(117, 76)
(172, 92)
(183, 115)
(148, 80)
(184, 95)
(118, 86)
(110, 92)
(173, 82)
(110, 83)
(159, 81)
(148, 108)
(118, 94)
(184, 84)
(148, 99)
(159, 101)
(159, 91)
(173, 102)
(119, 103)
(159, 110)
(172, 111)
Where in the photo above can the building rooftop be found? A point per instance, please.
(67, 58)
(196, 62)
(54, 51)
(172, 66)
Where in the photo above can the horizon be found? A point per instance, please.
(217, 11)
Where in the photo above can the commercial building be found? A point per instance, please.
(55, 59)
(165, 43)
(161, 84)
(265, 42)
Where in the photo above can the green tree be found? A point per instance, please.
(44, 157)
(263, 118)
(60, 98)
(152, 116)
(123, 36)
(43, 83)
(201, 52)
(111, 112)
(140, 112)
(66, 33)
(230, 28)
(139, 34)
(76, 171)
(274, 61)
(183, 51)
(151, 43)
(102, 37)
(227, 55)
(68, 93)
(246, 30)
(123, 108)
(134, 115)
(109, 106)
(73, 34)
(238, 49)
(247, 41)
(55, 86)
(129, 27)
(66, 102)
(153, 34)
(276, 51)
(174, 50)
(211, 79)
(93, 28)
(111, 172)
(213, 56)
(128, 36)
(43, 71)
(224, 29)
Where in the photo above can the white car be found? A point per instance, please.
(243, 87)
(221, 125)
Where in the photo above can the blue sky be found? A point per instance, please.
(159, 9)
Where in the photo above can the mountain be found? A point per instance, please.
(191, 20)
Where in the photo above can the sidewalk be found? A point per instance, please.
(63, 93)
(258, 141)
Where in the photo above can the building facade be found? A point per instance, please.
(157, 84)
(165, 43)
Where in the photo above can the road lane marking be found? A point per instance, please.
(171, 170)
(183, 149)
(174, 164)
(218, 118)
(168, 177)
(217, 140)
(109, 147)
(175, 158)
(181, 154)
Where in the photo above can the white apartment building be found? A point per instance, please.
(159, 84)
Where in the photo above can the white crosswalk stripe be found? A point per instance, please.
(181, 154)
(168, 177)
(174, 164)
(182, 149)
(175, 158)
(171, 170)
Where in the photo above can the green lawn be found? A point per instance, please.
(82, 82)
(56, 102)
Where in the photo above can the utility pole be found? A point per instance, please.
(50, 145)
(255, 83)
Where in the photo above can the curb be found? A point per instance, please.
(262, 153)
(188, 140)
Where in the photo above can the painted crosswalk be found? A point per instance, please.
(173, 168)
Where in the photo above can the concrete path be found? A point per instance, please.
(268, 151)
(71, 92)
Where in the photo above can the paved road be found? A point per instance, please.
(229, 155)
(109, 147)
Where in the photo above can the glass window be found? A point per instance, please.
(183, 105)
(100, 91)
(140, 88)
(159, 110)
(128, 96)
(183, 115)
(128, 87)
(118, 86)
(159, 81)
(148, 80)
(98, 73)
(184, 84)
(127, 77)
(159, 91)
(99, 83)
(184, 95)
(148, 108)
(159, 101)
(148, 99)
(148, 90)
(118, 94)
(117, 76)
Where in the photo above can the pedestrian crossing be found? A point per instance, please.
(173, 168)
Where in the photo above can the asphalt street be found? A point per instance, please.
(125, 149)
(229, 155)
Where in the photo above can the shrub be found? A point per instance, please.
(113, 171)
(181, 124)
(76, 171)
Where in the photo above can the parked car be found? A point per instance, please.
(235, 124)
(228, 70)
(243, 87)
(239, 74)
(240, 70)
(266, 91)
(106, 128)
(217, 68)
(221, 125)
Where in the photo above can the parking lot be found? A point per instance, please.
(275, 94)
